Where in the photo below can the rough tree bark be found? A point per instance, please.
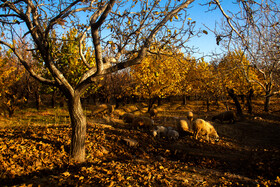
(41, 20)
(78, 124)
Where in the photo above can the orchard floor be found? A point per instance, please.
(34, 149)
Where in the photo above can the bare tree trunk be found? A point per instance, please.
(53, 98)
(184, 100)
(78, 124)
(249, 100)
(208, 104)
(266, 103)
(151, 102)
(159, 101)
(10, 110)
(38, 100)
(235, 99)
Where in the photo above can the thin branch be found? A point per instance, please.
(28, 68)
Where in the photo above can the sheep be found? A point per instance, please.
(160, 132)
(172, 134)
(225, 116)
(204, 128)
(127, 117)
(189, 116)
(183, 125)
(103, 109)
(142, 123)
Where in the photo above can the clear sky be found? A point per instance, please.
(200, 14)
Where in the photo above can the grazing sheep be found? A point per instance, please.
(183, 125)
(103, 109)
(160, 132)
(190, 116)
(127, 117)
(225, 116)
(172, 135)
(142, 123)
(204, 128)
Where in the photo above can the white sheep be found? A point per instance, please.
(201, 127)
(160, 132)
(172, 135)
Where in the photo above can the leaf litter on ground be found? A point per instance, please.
(38, 154)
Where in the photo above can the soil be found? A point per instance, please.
(248, 153)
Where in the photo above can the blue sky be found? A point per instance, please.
(198, 13)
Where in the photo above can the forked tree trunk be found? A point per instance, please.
(78, 125)
(235, 99)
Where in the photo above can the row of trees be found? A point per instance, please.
(162, 74)
(115, 35)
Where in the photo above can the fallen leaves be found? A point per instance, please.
(38, 154)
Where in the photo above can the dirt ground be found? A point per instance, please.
(248, 153)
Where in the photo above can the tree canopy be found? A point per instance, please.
(75, 44)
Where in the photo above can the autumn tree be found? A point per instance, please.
(204, 81)
(128, 29)
(232, 69)
(116, 88)
(255, 27)
(187, 67)
(10, 82)
(159, 74)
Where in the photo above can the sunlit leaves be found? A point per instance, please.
(68, 58)
(203, 82)
(159, 75)
(235, 71)
(11, 74)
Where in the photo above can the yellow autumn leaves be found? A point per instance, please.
(175, 74)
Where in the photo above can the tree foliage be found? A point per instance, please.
(11, 79)
(129, 29)
(255, 27)
(160, 74)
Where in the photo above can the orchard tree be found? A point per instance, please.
(232, 70)
(203, 81)
(11, 89)
(159, 75)
(187, 70)
(117, 87)
(121, 33)
(256, 28)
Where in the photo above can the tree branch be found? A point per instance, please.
(137, 60)
(28, 68)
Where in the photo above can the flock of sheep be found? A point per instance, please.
(199, 127)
